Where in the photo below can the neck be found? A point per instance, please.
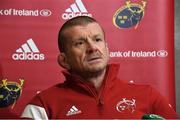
(96, 78)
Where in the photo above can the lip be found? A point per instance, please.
(94, 60)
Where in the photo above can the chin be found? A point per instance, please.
(96, 68)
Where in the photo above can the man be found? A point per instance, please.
(92, 89)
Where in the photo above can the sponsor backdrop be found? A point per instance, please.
(139, 33)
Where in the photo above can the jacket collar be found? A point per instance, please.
(76, 81)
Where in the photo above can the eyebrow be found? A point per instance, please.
(84, 38)
(98, 35)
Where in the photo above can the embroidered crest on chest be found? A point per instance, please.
(126, 105)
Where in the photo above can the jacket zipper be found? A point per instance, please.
(98, 97)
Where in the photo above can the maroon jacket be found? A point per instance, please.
(76, 98)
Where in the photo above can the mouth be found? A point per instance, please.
(94, 59)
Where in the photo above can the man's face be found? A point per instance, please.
(86, 48)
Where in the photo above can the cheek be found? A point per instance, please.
(105, 50)
(106, 53)
(75, 56)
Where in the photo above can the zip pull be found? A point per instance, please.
(101, 102)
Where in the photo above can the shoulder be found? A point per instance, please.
(54, 90)
(50, 93)
(147, 92)
(134, 87)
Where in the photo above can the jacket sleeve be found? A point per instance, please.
(160, 105)
(35, 110)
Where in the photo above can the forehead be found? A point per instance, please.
(89, 29)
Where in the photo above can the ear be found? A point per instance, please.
(62, 60)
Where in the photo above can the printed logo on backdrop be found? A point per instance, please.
(45, 13)
(129, 15)
(28, 51)
(75, 9)
(10, 92)
(139, 54)
(25, 12)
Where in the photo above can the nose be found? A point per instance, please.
(91, 47)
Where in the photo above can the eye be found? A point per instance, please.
(79, 43)
(98, 39)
